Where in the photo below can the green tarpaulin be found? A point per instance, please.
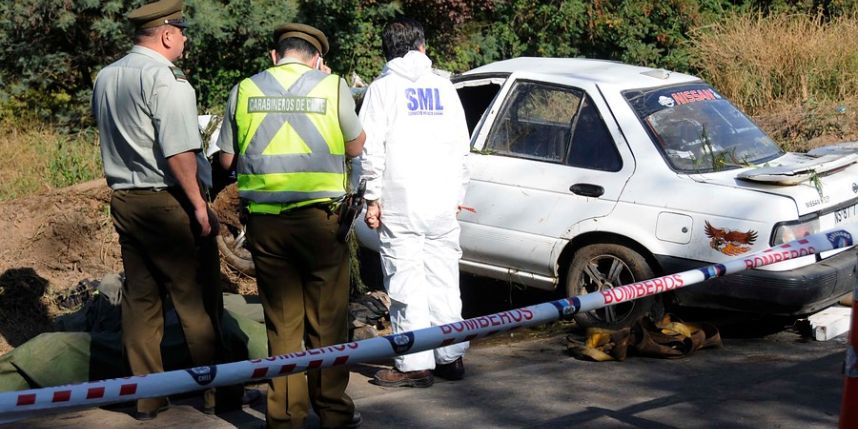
(58, 358)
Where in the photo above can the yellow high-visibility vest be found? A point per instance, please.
(291, 150)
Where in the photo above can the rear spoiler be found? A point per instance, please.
(814, 163)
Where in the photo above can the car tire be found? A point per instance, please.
(603, 266)
(231, 239)
(231, 244)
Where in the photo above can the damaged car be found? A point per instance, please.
(588, 174)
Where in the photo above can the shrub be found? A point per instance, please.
(228, 41)
(354, 30)
(51, 50)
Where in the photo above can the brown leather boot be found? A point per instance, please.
(396, 378)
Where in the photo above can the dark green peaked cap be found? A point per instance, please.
(158, 13)
(311, 34)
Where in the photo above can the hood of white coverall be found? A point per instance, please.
(414, 158)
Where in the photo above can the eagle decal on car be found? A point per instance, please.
(729, 242)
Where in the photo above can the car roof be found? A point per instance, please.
(596, 71)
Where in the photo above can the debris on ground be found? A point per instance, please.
(666, 338)
(366, 314)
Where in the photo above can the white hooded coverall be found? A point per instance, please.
(414, 162)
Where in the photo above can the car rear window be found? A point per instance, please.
(698, 130)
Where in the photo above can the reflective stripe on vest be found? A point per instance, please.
(291, 148)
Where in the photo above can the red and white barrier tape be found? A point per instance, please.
(22, 404)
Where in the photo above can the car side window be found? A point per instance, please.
(592, 144)
(536, 122)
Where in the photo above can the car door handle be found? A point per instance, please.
(587, 190)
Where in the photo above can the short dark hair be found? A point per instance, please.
(400, 36)
(141, 34)
(301, 46)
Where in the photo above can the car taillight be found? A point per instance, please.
(789, 231)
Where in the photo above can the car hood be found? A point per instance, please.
(816, 180)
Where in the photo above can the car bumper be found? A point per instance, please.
(788, 293)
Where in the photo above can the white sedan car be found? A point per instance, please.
(587, 174)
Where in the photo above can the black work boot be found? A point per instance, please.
(454, 370)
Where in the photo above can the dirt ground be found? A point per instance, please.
(49, 243)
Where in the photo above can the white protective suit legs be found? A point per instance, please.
(422, 279)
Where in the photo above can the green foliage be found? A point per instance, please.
(790, 63)
(51, 50)
(649, 32)
(454, 30)
(228, 41)
(354, 29)
(74, 160)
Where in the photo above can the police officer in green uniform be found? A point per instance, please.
(288, 133)
(151, 149)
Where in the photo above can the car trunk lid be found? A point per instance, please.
(817, 184)
(794, 168)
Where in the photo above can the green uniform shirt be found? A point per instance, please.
(146, 112)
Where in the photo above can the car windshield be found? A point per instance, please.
(699, 131)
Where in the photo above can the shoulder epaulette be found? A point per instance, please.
(179, 74)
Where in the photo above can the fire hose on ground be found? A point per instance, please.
(22, 404)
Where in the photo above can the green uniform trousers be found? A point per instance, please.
(303, 276)
(162, 252)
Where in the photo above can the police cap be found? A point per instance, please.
(311, 34)
(158, 13)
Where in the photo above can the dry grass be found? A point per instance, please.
(38, 158)
(760, 61)
(803, 127)
(796, 74)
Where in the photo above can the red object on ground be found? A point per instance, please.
(849, 404)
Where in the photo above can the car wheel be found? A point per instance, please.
(231, 240)
(230, 243)
(604, 266)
